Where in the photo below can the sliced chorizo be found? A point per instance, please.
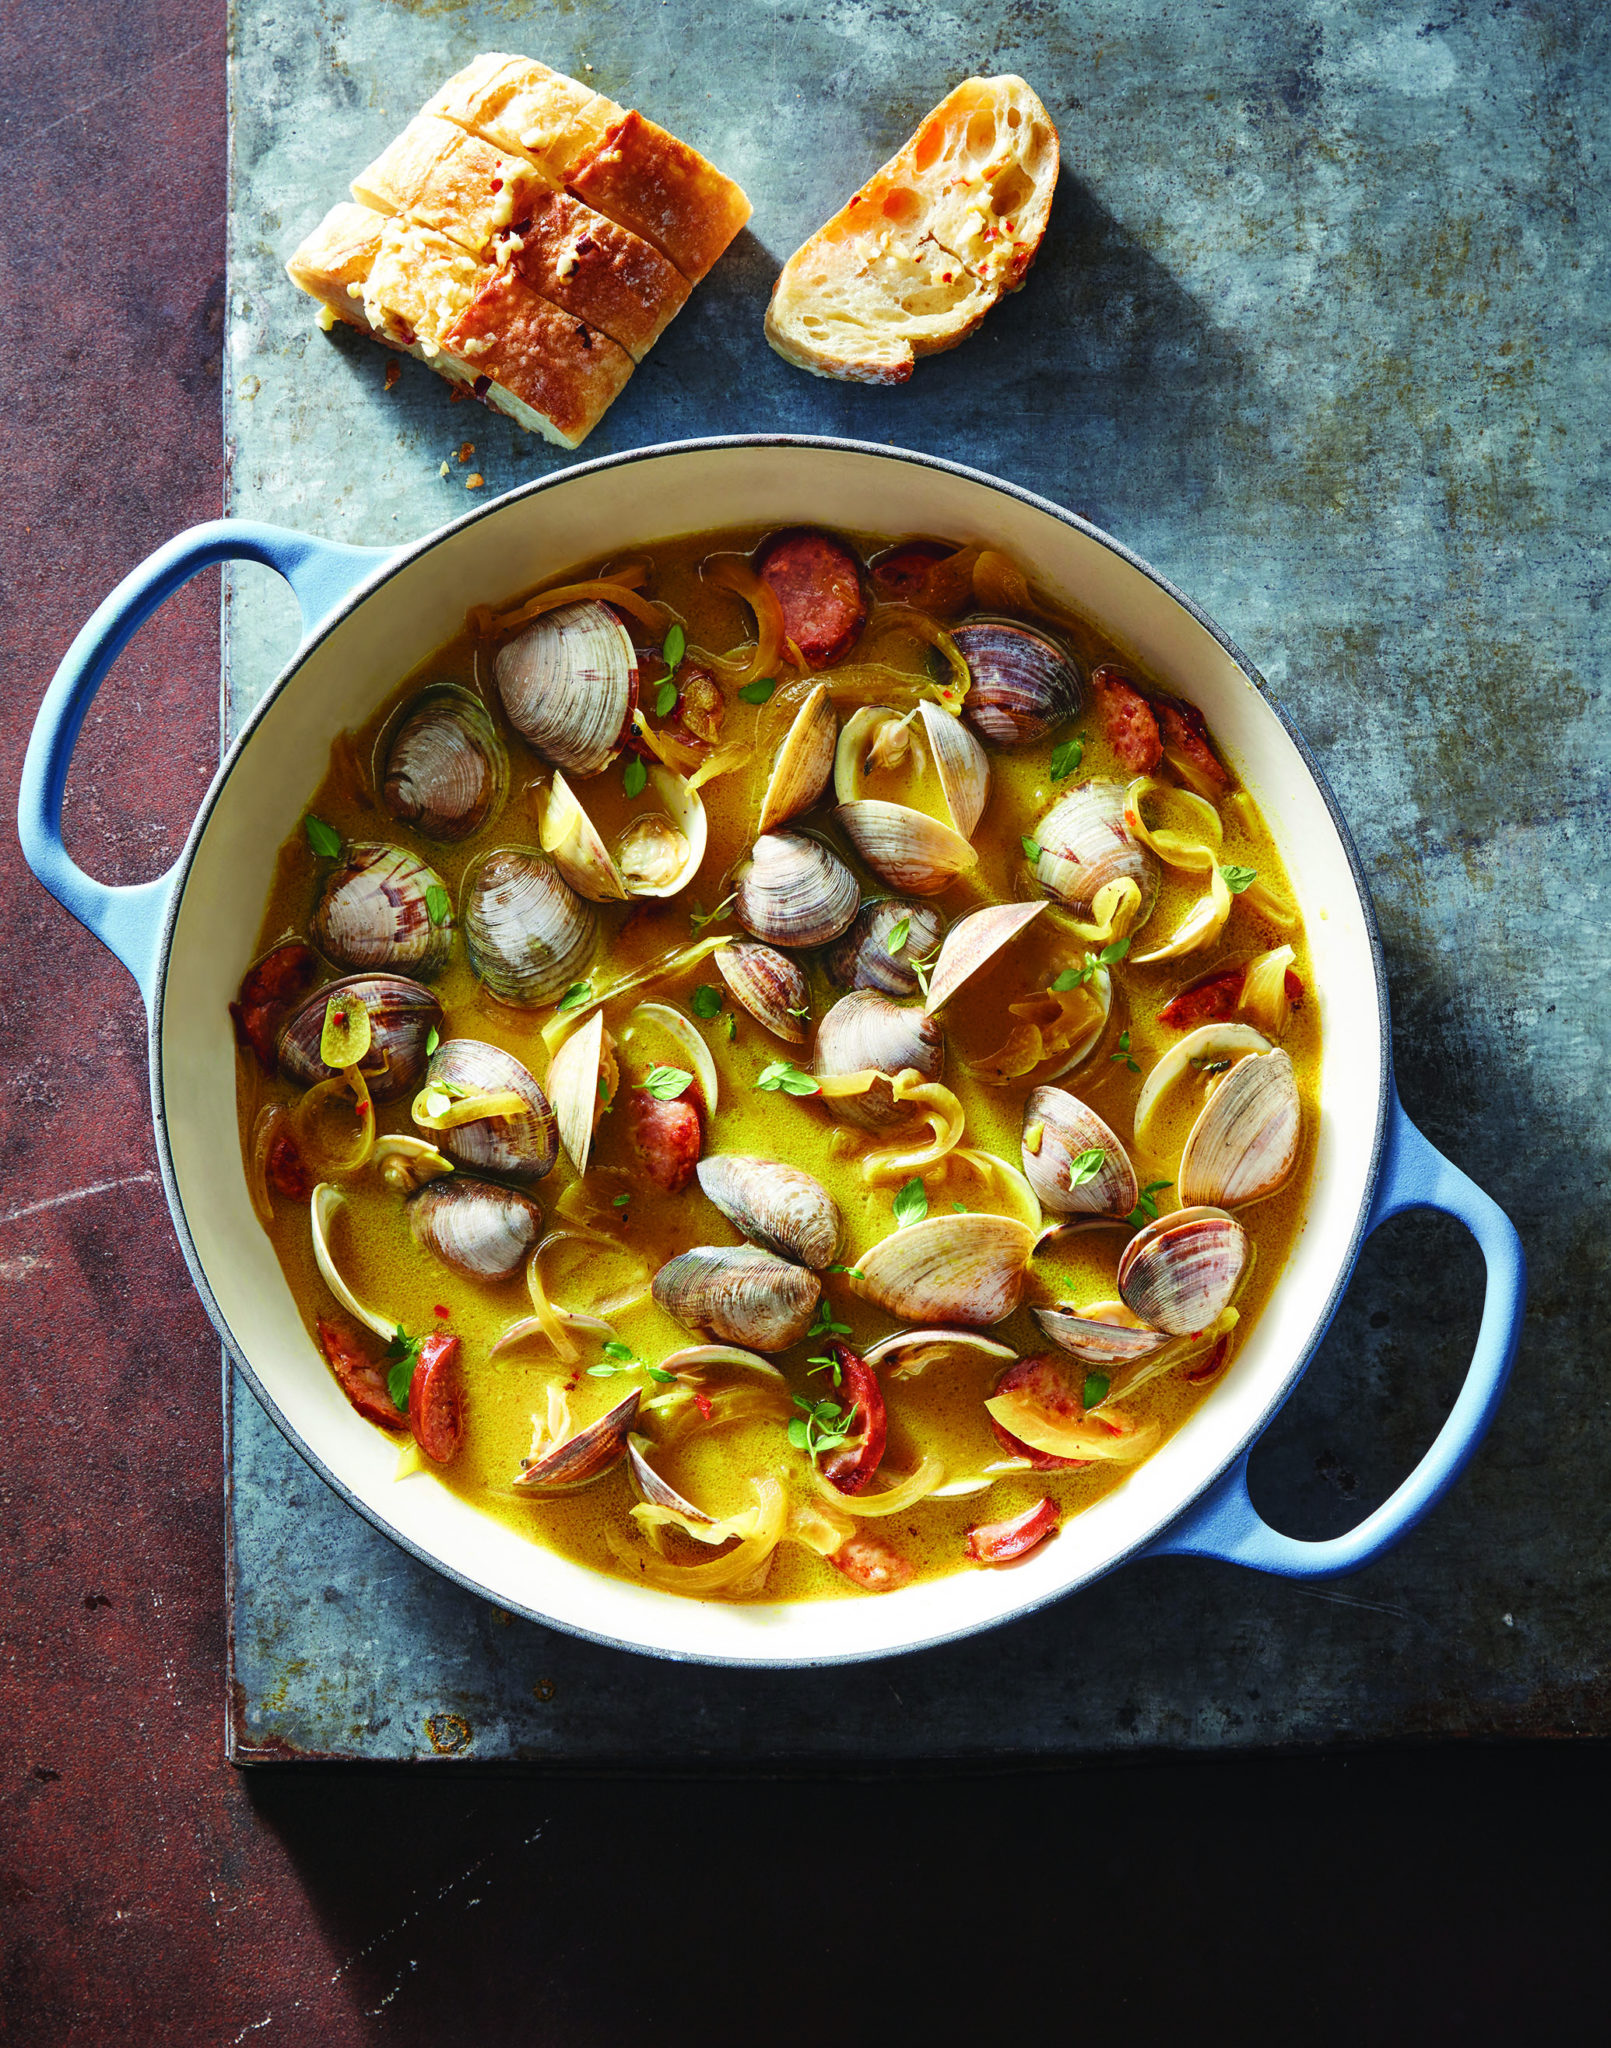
(436, 1398)
(362, 1378)
(267, 992)
(851, 1468)
(817, 583)
(666, 1138)
(911, 574)
(1185, 732)
(1045, 1382)
(1001, 1542)
(286, 1173)
(1212, 1000)
(1129, 721)
(869, 1562)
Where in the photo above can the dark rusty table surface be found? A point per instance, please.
(1457, 498)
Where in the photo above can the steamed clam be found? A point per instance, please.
(480, 1229)
(967, 1269)
(582, 1080)
(1245, 1144)
(1180, 1273)
(1073, 1161)
(519, 1146)
(528, 934)
(804, 762)
(781, 1208)
(658, 854)
(382, 907)
(1085, 846)
(744, 1295)
(586, 1456)
(919, 758)
(445, 770)
(868, 1031)
(1106, 1334)
(794, 891)
(862, 957)
(971, 943)
(1025, 682)
(906, 848)
(569, 682)
(402, 1015)
(770, 986)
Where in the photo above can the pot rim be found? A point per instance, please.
(404, 558)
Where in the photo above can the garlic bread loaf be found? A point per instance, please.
(915, 259)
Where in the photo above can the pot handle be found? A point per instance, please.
(130, 921)
(1225, 1524)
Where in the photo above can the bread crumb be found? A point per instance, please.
(394, 370)
(443, 471)
(325, 318)
(466, 451)
(474, 480)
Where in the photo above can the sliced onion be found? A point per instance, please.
(558, 1028)
(1034, 1425)
(1113, 912)
(722, 1574)
(466, 1109)
(1175, 849)
(887, 1166)
(1208, 1041)
(819, 1528)
(650, 1515)
(893, 1500)
(1023, 1202)
(924, 1346)
(732, 572)
(905, 618)
(617, 590)
(326, 1201)
(677, 1413)
(312, 1105)
(1202, 923)
(720, 1354)
(678, 1025)
(271, 1118)
(1261, 897)
(1264, 991)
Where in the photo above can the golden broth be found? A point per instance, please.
(938, 1411)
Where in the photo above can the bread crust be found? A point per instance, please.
(598, 270)
(916, 258)
(664, 191)
(448, 179)
(332, 263)
(547, 369)
(526, 109)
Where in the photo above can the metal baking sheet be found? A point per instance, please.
(1312, 330)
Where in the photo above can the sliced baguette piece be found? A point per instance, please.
(663, 190)
(522, 107)
(916, 258)
(551, 373)
(418, 284)
(332, 263)
(598, 270)
(445, 178)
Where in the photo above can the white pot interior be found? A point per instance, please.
(509, 548)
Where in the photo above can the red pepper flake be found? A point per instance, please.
(945, 277)
(855, 199)
(363, 1110)
(481, 387)
(497, 184)
(703, 1403)
(441, 1313)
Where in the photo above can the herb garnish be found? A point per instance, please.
(706, 1001)
(1077, 977)
(676, 646)
(665, 1084)
(786, 1075)
(433, 1039)
(634, 777)
(899, 933)
(698, 919)
(823, 1324)
(1066, 758)
(438, 904)
(851, 1272)
(323, 838)
(912, 1203)
(401, 1354)
(578, 993)
(825, 1362)
(1031, 849)
(1238, 879)
(758, 691)
(817, 1429)
(1146, 1210)
(1086, 1166)
(1095, 1391)
(1123, 1054)
(665, 699)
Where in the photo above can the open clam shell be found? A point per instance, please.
(1024, 681)
(966, 1269)
(1085, 844)
(910, 1352)
(1245, 1143)
(581, 1076)
(569, 682)
(794, 891)
(402, 1016)
(1096, 1337)
(862, 958)
(661, 851)
(521, 1147)
(374, 911)
(903, 847)
(445, 771)
(962, 765)
(745, 1296)
(879, 736)
(648, 1485)
(1065, 1130)
(1180, 1273)
(971, 942)
(804, 762)
(584, 1457)
(478, 1227)
(770, 986)
(781, 1208)
(575, 845)
(529, 935)
(869, 1031)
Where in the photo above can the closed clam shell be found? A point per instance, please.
(1096, 1340)
(584, 1457)
(446, 771)
(906, 848)
(528, 933)
(971, 942)
(522, 1147)
(868, 1030)
(781, 1208)
(1180, 1273)
(862, 959)
(744, 1295)
(1244, 1145)
(949, 1269)
(794, 891)
(804, 761)
(477, 1227)
(374, 912)
(402, 1015)
(1025, 682)
(1063, 1129)
(569, 682)
(770, 985)
(1085, 844)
